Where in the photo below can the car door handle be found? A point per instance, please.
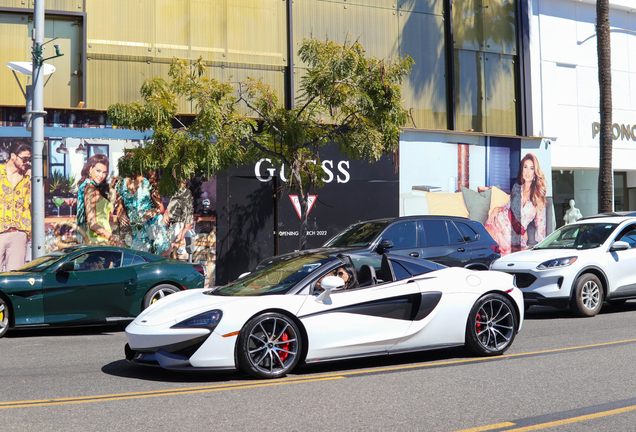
(461, 249)
(414, 254)
(130, 286)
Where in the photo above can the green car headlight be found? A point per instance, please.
(208, 320)
(557, 262)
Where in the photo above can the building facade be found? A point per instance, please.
(475, 102)
(565, 96)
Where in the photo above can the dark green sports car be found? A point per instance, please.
(90, 284)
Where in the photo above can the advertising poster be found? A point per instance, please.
(64, 162)
(504, 183)
(259, 218)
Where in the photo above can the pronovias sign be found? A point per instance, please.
(619, 131)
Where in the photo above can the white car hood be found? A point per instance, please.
(540, 255)
(186, 304)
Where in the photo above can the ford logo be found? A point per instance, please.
(510, 265)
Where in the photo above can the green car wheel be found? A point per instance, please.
(157, 293)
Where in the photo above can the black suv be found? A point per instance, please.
(448, 240)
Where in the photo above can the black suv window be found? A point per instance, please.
(468, 234)
(435, 233)
(403, 235)
(453, 233)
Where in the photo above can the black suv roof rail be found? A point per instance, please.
(612, 214)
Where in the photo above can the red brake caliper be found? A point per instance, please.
(283, 355)
(478, 323)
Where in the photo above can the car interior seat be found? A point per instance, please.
(367, 276)
(386, 270)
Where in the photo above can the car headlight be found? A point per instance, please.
(557, 262)
(208, 320)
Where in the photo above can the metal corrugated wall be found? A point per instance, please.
(129, 40)
(14, 47)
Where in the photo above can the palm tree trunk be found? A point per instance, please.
(604, 51)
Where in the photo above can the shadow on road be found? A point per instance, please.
(384, 361)
(84, 330)
(547, 312)
(125, 369)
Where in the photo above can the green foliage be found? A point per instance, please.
(346, 97)
(61, 183)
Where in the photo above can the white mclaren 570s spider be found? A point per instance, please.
(315, 307)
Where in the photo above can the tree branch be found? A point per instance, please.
(263, 116)
(270, 152)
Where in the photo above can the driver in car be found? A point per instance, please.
(343, 273)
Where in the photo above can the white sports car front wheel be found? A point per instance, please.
(269, 345)
(492, 325)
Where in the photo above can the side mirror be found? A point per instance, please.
(384, 245)
(619, 246)
(67, 267)
(329, 284)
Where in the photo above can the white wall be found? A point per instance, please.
(565, 79)
(431, 159)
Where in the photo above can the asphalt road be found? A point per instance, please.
(561, 374)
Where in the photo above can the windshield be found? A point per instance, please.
(579, 236)
(277, 278)
(358, 235)
(42, 263)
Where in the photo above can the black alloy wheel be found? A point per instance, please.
(492, 326)
(269, 345)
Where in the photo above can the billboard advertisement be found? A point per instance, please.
(500, 182)
(258, 217)
(130, 209)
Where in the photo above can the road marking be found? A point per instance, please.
(487, 428)
(138, 395)
(294, 380)
(553, 423)
(479, 359)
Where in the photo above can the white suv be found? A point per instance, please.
(579, 265)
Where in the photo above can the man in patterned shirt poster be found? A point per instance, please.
(15, 206)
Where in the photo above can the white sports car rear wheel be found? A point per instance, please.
(269, 345)
(492, 325)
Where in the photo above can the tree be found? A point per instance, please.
(346, 98)
(604, 52)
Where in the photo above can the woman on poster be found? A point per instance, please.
(139, 205)
(179, 216)
(93, 204)
(508, 224)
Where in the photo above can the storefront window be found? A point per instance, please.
(620, 197)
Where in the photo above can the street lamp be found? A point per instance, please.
(35, 122)
(26, 68)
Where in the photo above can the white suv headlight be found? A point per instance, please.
(557, 262)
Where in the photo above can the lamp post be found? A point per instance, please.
(36, 117)
(37, 133)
